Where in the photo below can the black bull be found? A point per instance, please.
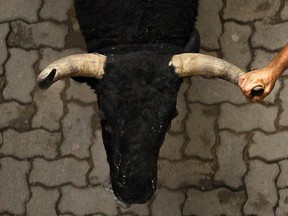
(136, 80)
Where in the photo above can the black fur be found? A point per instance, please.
(137, 98)
(111, 22)
(137, 95)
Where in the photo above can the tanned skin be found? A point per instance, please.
(266, 77)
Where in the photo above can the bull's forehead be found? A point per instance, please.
(138, 87)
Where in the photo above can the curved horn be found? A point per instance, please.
(88, 65)
(193, 64)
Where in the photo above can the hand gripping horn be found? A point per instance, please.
(194, 64)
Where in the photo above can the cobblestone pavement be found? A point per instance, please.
(222, 156)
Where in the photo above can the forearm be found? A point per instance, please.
(280, 63)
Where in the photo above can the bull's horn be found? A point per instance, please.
(193, 64)
(88, 65)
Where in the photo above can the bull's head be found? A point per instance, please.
(137, 100)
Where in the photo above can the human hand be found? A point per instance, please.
(264, 77)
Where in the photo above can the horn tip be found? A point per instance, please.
(46, 81)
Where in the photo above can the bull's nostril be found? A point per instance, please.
(132, 195)
(107, 127)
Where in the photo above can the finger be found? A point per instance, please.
(242, 80)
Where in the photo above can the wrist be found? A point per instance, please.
(275, 69)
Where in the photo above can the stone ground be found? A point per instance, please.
(222, 156)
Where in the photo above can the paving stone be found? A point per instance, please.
(246, 11)
(81, 92)
(172, 145)
(20, 75)
(282, 209)
(200, 129)
(14, 9)
(209, 27)
(214, 203)
(234, 44)
(2, 85)
(185, 173)
(231, 149)
(167, 203)
(212, 91)
(272, 147)
(77, 131)
(86, 201)
(237, 117)
(50, 55)
(49, 102)
(50, 107)
(104, 215)
(285, 73)
(30, 144)
(38, 34)
(59, 172)
(75, 37)
(284, 12)
(261, 188)
(211, 53)
(14, 191)
(15, 115)
(43, 202)
(56, 10)
(276, 32)
(75, 23)
(181, 106)
(283, 121)
(282, 181)
(262, 58)
(100, 172)
(136, 209)
(4, 30)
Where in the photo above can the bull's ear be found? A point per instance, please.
(80, 65)
(193, 45)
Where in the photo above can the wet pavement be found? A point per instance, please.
(222, 156)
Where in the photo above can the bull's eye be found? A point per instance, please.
(108, 128)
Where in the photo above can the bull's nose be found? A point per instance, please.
(135, 193)
(134, 198)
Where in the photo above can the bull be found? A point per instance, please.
(138, 52)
